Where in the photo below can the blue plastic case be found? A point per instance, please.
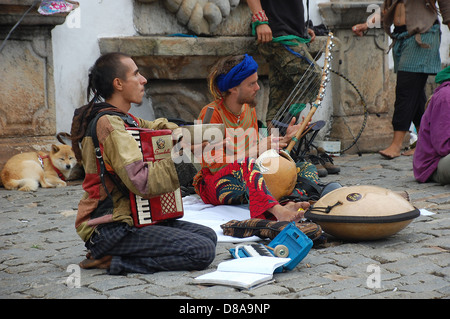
(296, 242)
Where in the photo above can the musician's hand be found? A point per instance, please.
(271, 142)
(263, 33)
(312, 34)
(359, 29)
(198, 150)
(291, 130)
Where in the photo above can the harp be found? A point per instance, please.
(279, 170)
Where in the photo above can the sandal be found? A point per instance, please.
(328, 162)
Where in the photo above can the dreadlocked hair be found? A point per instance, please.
(222, 66)
(100, 87)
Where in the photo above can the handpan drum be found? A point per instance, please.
(360, 213)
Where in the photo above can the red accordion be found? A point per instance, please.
(155, 145)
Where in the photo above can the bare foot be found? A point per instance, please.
(297, 205)
(409, 152)
(390, 152)
(90, 262)
(290, 212)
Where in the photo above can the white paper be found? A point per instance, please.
(196, 211)
(243, 272)
(424, 212)
(258, 264)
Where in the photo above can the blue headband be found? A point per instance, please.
(237, 74)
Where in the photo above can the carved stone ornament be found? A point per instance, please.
(199, 16)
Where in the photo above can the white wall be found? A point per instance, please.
(75, 49)
(445, 45)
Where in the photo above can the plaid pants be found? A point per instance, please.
(171, 245)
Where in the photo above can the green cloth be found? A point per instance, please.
(443, 75)
(284, 39)
(296, 108)
(257, 23)
(290, 40)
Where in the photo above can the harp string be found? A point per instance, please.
(302, 93)
(321, 93)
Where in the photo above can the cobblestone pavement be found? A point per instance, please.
(39, 251)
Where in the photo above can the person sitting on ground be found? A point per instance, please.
(431, 160)
(221, 181)
(104, 220)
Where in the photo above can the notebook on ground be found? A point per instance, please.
(243, 273)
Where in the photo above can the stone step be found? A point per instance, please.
(179, 57)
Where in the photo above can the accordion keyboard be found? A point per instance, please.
(143, 208)
(254, 250)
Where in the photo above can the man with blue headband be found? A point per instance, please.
(233, 81)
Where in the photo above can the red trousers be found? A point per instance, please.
(235, 184)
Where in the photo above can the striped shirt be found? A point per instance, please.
(409, 56)
(242, 129)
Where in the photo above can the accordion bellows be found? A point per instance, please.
(155, 145)
(359, 213)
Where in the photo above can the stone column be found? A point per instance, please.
(365, 62)
(27, 104)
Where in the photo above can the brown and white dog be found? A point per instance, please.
(26, 171)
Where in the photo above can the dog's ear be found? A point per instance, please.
(55, 148)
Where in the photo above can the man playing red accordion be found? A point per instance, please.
(104, 220)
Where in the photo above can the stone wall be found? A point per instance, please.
(176, 45)
(364, 61)
(177, 66)
(27, 107)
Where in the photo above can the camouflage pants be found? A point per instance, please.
(286, 69)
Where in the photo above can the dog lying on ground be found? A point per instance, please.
(26, 171)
